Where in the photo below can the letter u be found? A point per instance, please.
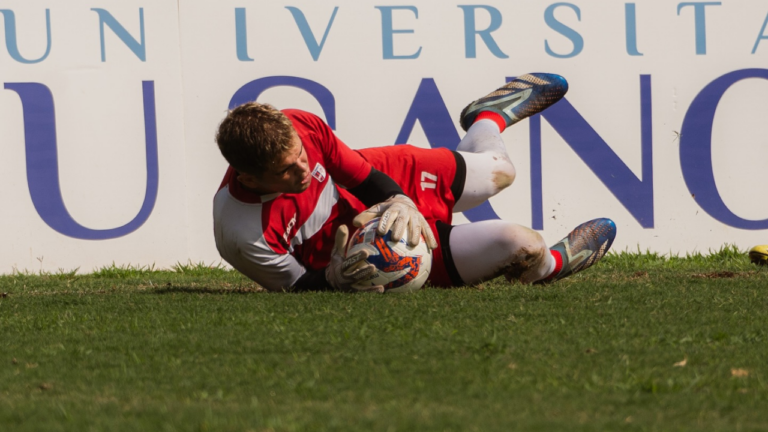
(9, 20)
(43, 165)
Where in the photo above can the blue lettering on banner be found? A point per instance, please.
(636, 195)
(554, 24)
(137, 44)
(138, 48)
(252, 90)
(700, 23)
(241, 35)
(696, 149)
(761, 36)
(429, 109)
(470, 31)
(309, 38)
(9, 20)
(388, 32)
(630, 20)
(43, 165)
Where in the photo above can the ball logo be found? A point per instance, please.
(390, 261)
(400, 268)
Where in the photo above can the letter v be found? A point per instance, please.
(309, 38)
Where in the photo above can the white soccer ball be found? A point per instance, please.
(399, 267)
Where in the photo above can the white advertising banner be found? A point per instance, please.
(109, 111)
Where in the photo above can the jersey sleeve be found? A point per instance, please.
(241, 241)
(345, 165)
(271, 270)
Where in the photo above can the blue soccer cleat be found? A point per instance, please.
(520, 98)
(582, 248)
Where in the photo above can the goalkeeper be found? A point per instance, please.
(294, 190)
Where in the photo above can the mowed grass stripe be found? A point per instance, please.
(639, 342)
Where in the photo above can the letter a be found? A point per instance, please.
(761, 36)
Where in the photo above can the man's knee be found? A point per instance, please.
(487, 174)
(529, 253)
(503, 173)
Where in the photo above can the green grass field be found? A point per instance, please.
(638, 343)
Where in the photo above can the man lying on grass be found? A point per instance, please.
(293, 191)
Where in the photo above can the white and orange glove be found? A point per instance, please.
(344, 271)
(398, 213)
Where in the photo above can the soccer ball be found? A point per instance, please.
(399, 267)
(759, 255)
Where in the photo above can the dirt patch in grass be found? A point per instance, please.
(718, 275)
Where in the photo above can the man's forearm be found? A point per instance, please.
(376, 188)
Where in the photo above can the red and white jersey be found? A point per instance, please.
(274, 238)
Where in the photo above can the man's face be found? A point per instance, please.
(289, 174)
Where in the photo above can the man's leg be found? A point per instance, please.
(489, 168)
(520, 98)
(581, 248)
(485, 250)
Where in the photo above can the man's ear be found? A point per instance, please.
(248, 180)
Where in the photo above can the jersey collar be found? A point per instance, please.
(241, 193)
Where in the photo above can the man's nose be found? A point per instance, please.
(303, 167)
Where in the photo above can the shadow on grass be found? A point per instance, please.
(204, 290)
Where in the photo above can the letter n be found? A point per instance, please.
(636, 195)
(138, 48)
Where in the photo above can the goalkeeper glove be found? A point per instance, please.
(342, 272)
(398, 213)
